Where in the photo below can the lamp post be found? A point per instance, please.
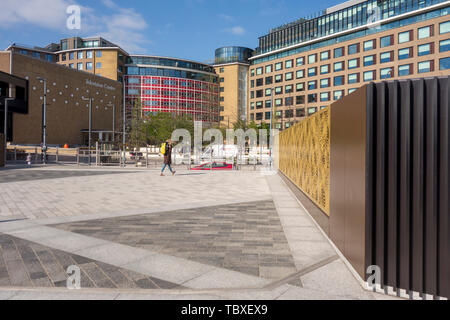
(44, 121)
(270, 127)
(124, 125)
(5, 129)
(90, 124)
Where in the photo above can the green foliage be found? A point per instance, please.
(159, 127)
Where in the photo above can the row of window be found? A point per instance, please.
(205, 86)
(385, 73)
(288, 114)
(403, 37)
(80, 55)
(384, 57)
(47, 57)
(85, 66)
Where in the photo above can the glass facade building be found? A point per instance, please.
(232, 54)
(181, 87)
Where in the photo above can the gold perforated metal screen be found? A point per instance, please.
(304, 157)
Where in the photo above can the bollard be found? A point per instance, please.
(78, 156)
(15, 154)
(35, 155)
(57, 158)
(146, 161)
(96, 153)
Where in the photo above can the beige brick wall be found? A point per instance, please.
(67, 113)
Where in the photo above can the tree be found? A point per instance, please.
(137, 136)
(159, 126)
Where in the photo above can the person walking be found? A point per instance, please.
(29, 159)
(167, 158)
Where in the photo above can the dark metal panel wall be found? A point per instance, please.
(407, 177)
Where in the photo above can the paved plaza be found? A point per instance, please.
(136, 235)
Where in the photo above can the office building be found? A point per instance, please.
(181, 87)
(304, 66)
(94, 55)
(232, 65)
(67, 111)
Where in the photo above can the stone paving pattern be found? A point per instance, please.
(245, 237)
(27, 264)
(131, 190)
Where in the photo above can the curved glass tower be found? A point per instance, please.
(232, 54)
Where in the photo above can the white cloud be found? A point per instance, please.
(237, 30)
(226, 17)
(123, 26)
(50, 14)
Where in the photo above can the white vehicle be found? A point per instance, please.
(220, 151)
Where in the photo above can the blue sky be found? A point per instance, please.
(190, 29)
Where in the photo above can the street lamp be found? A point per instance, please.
(124, 123)
(90, 124)
(44, 121)
(5, 129)
(270, 128)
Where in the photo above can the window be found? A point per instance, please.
(444, 63)
(354, 63)
(369, 60)
(278, 90)
(289, 64)
(133, 91)
(386, 73)
(312, 58)
(387, 41)
(223, 79)
(259, 93)
(80, 66)
(325, 96)
(369, 76)
(63, 57)
(252, 73)
(71, 56)
(425, 32)
(80, 55)
(289, 101)
(268, 103)
(278, 66)
(252, 94)
(312, 72)
(369, 45)
(338, 52)
(325, 69)
(259, 105)
(405, 70)
(269, 80)
(49, 57)
(324, 55)
(300, 74)
(312, 97)
(444, 45)
(300, 112)
(444, 27)
(288, 88)
(339, 80)
(338, 94)
(71, 65)
(289, 76)
(352, 90)
(300, 99)
(404, 36)
(312, 110)
(268, 92)
(259, 116)
(425, 49)
(89, 54)
(252, 83)
(269, 68)
(222, 89)
(338, 66)
(278, 78)
(312, 85)
(353, 48)
(405, 53)
(300, 86)
(325, 83)
(222, 70)
(267, 115)
(99, 54)
(259, 71)
(259, 82)
(386, 56)
(425, 66)
(88, 65)
(99, 65)
(300, 61)
(353, 78)
(278, 102)
(252, 106)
